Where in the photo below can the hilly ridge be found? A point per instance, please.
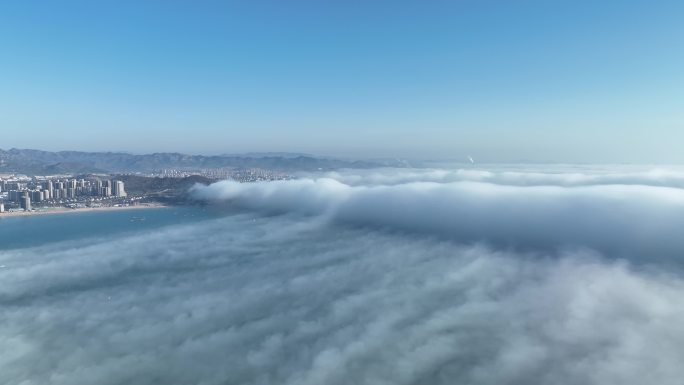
(31, 161)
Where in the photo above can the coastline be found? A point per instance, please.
(66, 210)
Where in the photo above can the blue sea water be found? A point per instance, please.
(29, 231)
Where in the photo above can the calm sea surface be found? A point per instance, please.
(28, 231)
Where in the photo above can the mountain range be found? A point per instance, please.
(37, 162)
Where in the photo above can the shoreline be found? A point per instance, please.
(67, 210)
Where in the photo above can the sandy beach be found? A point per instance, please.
(66, 210)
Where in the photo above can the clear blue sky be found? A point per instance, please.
(502, 80)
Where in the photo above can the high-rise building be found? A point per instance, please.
(118, 188)
(36, 196)
(26, 202)
(49, 188)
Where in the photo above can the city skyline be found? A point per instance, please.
(24, 194)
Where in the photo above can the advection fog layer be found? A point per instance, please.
(642, 222)
(322, 281)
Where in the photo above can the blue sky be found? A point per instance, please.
(590, 81)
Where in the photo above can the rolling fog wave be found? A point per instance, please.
(514, 175)
(281, 300)
(632, 221)
(317, 281)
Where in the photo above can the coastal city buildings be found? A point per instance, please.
(39, 193)
(222, 173)
(26, 193)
